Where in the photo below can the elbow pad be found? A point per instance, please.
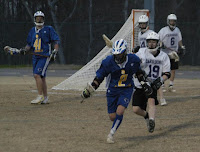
(94, 84)
(168, 74)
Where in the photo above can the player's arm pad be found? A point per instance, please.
(96, 82)
(168, 74)
(157, 83)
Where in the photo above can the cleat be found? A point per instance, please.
(110, 139)
(163, 102)
(38, 100)
(171, 89)
(151, 125)
(45, 101)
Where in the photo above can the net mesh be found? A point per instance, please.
(78, 81)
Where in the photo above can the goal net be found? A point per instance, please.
(129, 32)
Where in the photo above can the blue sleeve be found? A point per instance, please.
(53, 35)
(103, 71)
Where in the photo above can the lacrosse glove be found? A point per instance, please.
(85, 93)
(182, 51)
(157, 83)
(23, 51)
(147, 88)
(53, 54)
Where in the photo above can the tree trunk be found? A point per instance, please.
(90, 30)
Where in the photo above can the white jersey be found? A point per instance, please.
(170, 38)
(153, 66)
(142, 38)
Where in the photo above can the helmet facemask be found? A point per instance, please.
(120, 58)
(172, 24)
(39, 21)
(119, 51)
(39, 18)
(171, 21)
(152, 45)
(143, 27)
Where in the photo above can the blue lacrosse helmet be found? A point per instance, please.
(119, 51)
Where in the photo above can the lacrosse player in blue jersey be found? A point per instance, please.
(39, 41)
(119, 69)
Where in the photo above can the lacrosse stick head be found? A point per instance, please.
(7, 49)
(108, 42)
(174, 55)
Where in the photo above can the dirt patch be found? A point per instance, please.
(69, 126)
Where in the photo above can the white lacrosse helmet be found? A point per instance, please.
(38, 13)
(143, 19)
(119, 47)
(153, 36)
(171, 17)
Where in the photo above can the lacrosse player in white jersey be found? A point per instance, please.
(171, 39)
(156, 65)
(144, 31)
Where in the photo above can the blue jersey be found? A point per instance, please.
(119, 75)
(41, 40)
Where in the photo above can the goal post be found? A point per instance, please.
(129, 32)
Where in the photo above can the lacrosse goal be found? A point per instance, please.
(129, 32)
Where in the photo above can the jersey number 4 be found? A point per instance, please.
(37, 44)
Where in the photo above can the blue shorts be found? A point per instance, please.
(40, 66)
(118, 96)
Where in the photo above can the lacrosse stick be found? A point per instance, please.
(108, 42)
(174, 55)
(12, 51)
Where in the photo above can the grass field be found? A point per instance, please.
(66, 125)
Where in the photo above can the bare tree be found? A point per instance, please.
(125, 10)
(58, 26)
(90, 30)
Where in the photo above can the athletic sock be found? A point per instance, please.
(116, 124)
(171, 83)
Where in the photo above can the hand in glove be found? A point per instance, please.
(157, 83)
(53, 54)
